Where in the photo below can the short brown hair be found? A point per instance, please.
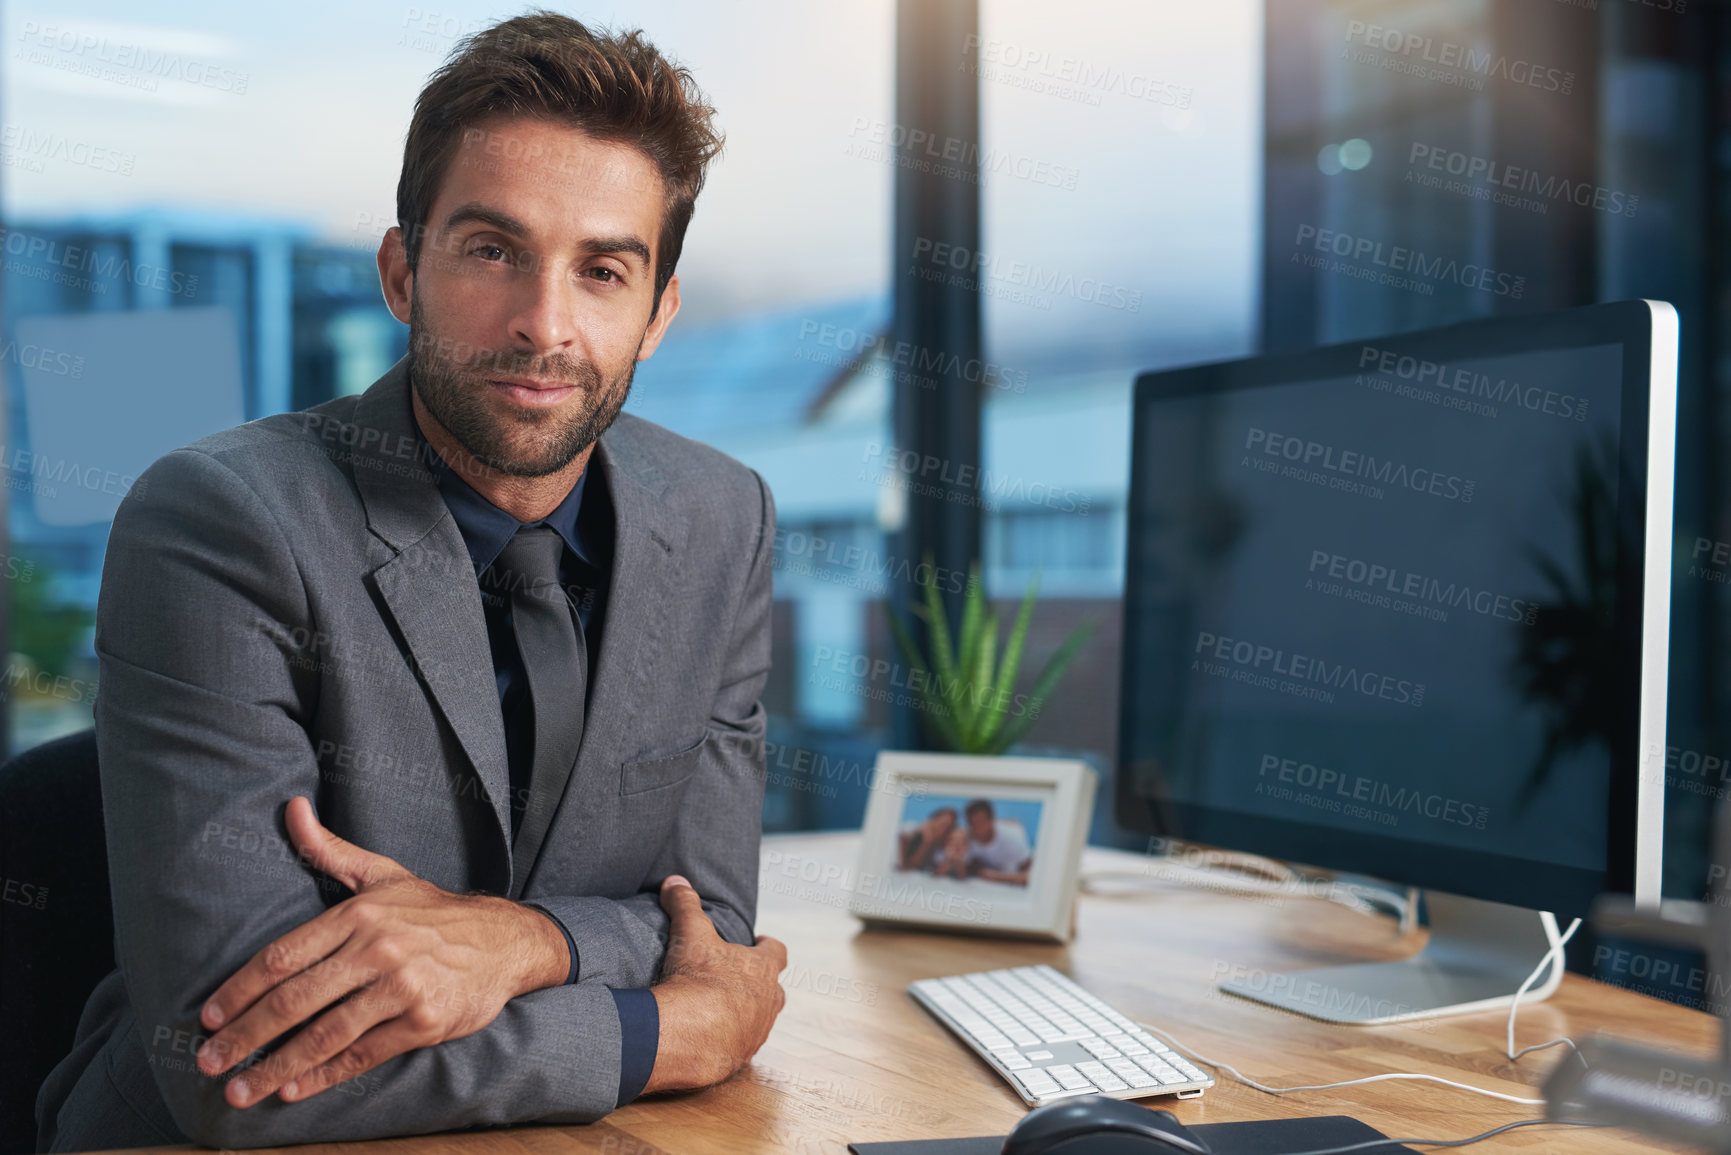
(615, 87)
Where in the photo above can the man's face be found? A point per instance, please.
(529, 307)
(981, 826)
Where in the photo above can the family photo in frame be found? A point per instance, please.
(977, 844)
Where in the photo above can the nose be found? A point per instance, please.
(543, 314)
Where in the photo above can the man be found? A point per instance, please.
(420, 708)
(998, 849)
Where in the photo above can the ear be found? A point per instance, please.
(396, 280)
(664, 314)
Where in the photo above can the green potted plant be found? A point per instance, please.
(967, 692)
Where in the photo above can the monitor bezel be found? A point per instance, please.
(1648, 332)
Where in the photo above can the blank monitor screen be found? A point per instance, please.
(1383, 606)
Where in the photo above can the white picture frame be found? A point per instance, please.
(1053, 796)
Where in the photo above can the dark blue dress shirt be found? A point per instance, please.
(585, 521)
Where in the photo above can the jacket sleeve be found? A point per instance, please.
(201, 726)
(719, 831)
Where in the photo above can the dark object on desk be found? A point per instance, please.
(56, 917)
(1097, 1125)
(1683, 1098)
(1264, 1137)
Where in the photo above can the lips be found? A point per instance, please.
(531, 392)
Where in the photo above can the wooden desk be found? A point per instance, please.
(853, 1058)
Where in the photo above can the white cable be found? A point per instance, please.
(1355, 897)
(1556, 952)
(1266, 1089)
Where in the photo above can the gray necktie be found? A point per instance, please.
(550, 641)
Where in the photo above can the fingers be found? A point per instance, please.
(381, 1044)
(293, 1003)
(278, 963)
(314, 1045)
(776, 949)
(350, 865)
(682, 905)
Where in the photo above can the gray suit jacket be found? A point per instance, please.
(287, 607)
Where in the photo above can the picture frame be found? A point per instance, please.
(1008, 867)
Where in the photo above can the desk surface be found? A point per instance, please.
(853, 1058)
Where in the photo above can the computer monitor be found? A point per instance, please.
(1399, 607)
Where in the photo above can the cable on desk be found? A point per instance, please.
(1363, 899)
(1479, 1138)
(1266, 1089)
(1556, 952)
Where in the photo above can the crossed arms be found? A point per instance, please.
(407, 1008)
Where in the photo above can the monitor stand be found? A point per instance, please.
(1478, 956)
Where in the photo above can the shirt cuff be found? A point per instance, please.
(570, 943)
(639, 1040)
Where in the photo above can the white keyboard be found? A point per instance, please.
(1050, 1039)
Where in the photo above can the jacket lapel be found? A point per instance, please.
(429, 586)
(430, 591)
(647, 539)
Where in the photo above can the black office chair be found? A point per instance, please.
(56, 917)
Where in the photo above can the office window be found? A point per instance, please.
(1121, 154)
(1064, 547)
(777, 356)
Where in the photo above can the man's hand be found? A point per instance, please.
(717, 1000)
(400, 965)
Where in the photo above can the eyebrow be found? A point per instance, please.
(476, 213)
(616, 245)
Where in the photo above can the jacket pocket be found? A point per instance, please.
(646, 774)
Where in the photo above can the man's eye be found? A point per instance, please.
(483, 250)
(605, 274)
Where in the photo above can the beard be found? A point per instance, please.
(520, 442)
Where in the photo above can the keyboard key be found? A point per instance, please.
(1123, 1068)
(1014, 1062)
(1154, 1065)
(1101, 1049)
(1130, 1046)
(1036, 1082)
(1069, 1077)
(1101, 1077)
